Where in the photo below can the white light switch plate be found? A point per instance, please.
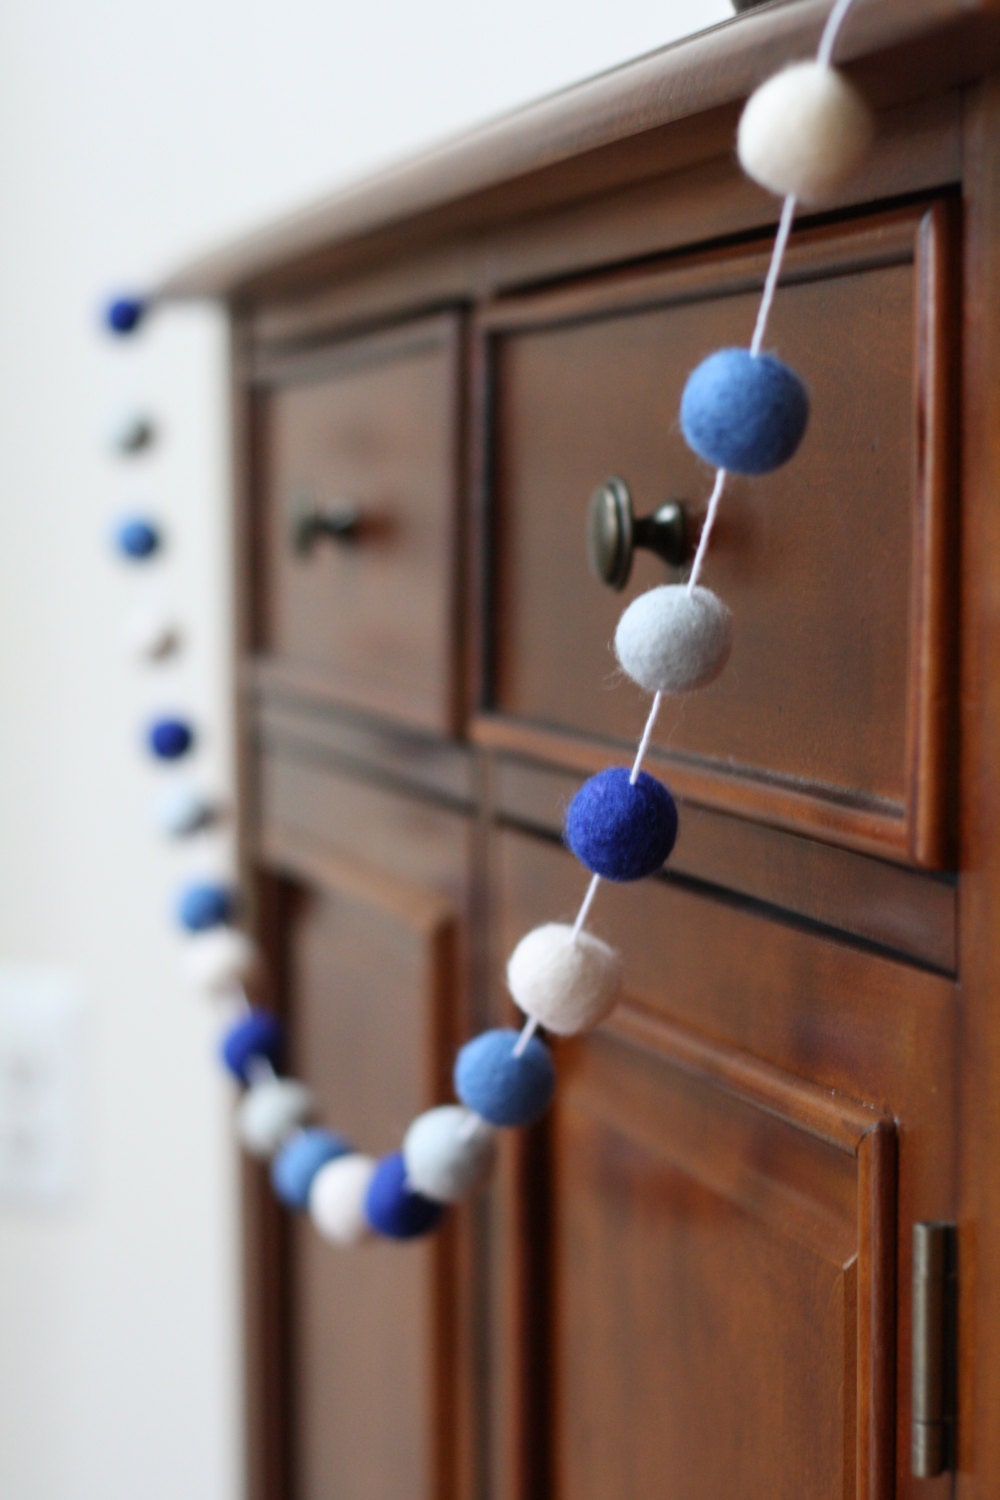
(41, 1085)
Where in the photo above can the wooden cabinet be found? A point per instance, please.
(693, 1279)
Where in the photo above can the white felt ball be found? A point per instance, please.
(672, 640)
(150, 634)
(181, 809)
(337, 1198)
(805, 131)
(219, 959)
(567, 984)
(269, 1111)
(448, 1152)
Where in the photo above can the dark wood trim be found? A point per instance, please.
(300, 727)
(814, 253)
(904, 912)
(979, 912)
(272, 366)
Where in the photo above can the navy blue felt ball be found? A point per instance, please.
(254, 1037)
(500, 1087)
(300, 1158)
(621, 831)
(169, 739)
(392, 1208)
(205, 904)
(137, 538)
(744, 412)
(124, 314)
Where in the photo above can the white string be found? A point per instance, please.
(824, 54)
(706, 530)
(831, 31)
(530, 1027)
(647, 735)
(585, 906)
(773, 272)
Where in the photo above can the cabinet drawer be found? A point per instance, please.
(833, 714)
(370, 426)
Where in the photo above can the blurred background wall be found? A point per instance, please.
(131, 136)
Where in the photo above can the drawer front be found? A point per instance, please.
(366, 618)
(833, 714)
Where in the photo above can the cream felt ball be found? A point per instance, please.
(673, 639)
(337, 1199)
(805, 131)
(220, 959)
(448, 1152)
(567, 984)
(150, 633)
(181, 809)
(270, 1110)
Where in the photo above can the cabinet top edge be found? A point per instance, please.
(495, 171)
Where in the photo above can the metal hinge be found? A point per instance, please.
(935, 1306)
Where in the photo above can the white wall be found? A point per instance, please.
(130, 136)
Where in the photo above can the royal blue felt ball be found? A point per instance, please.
(300, 1158)
(137, 538)
(205, 904)
(169, 739)
(392, 1208)
(124, 314)
(500, 1087)
(257, 1037)
(621, 831)
(744, 412)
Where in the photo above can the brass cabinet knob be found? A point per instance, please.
(614, 533)
(311, 522)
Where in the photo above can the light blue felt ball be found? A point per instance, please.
(137, 538)
(299, 1160)
(204, 904)
(744, 412)
(392, 1208)
(620, 831)
(257, 1037)
(500, 1087)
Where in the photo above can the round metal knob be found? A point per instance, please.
(614, 533)
(311, 522)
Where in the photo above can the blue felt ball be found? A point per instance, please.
(744, 412)
(254, 1037)
(124, 314)
(300, 1158)
(392, 1208)
(500, 1087)
(621, 831)
(205, 904)
(137, 539)
(169, 739)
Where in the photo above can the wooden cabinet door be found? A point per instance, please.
(703, 1278)
(362, 1356)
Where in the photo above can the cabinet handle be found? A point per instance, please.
(614, 533)
(340, 523)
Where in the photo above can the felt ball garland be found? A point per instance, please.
(803, 134)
